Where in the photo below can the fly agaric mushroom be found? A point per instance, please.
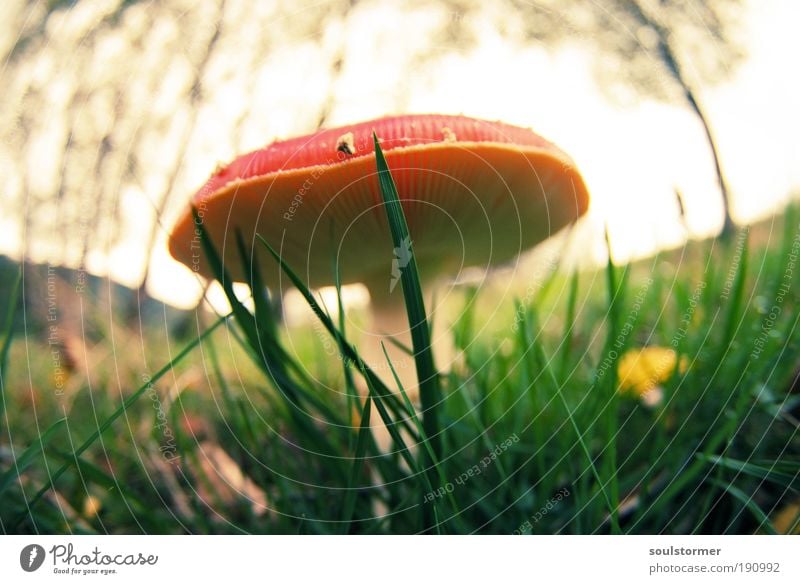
(474, 193)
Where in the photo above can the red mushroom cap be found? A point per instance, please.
(475, 193)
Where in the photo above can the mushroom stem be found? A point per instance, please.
(389, 325)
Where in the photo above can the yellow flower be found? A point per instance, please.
(91, 506)
(785, 520)
(642, 371)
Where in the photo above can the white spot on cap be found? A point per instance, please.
(448, 135)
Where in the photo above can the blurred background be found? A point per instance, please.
(114, 112)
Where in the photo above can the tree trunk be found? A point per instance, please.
(727, 226)
(670, 60)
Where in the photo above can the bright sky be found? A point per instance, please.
(632, 157)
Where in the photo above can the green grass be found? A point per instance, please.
(525, 433)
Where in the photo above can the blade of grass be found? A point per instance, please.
(737, 294)
(423, 438)
(428, 377)
(783, 479)
(463, 333)
(242, 315)
(28, 456)
(534, 396)
(90, 472)
(569, 324)
(391, 426)
(387, 471)
(358, 464)
(615, 294)
(763, 521)
(263, 311)
(215, 366)
(349, 383)
(8, 335)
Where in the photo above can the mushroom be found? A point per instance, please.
(475, 193)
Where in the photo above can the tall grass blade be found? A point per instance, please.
(28, 456)
(358, 464)
(8, 335)
(764, 522)
(428, 377)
